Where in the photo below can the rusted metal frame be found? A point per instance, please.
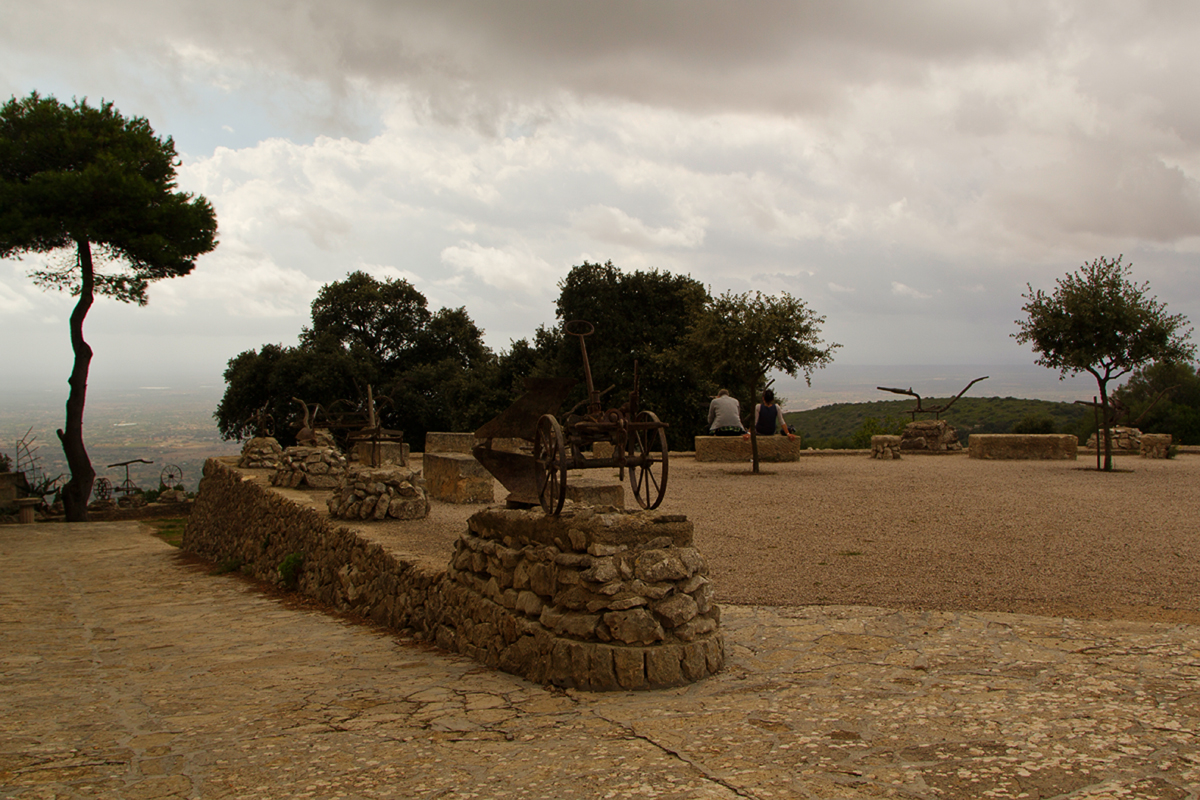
(937, 411)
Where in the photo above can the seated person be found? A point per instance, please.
(768, 417)
(725, 415)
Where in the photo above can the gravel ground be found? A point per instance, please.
(931, 532)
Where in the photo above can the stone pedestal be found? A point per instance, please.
(737, 449)
(25, 509)
(380, 454)
(591, 601)
(261, 452)
(885, 448)
(379, 493)
(1156, 445)
(310, 467)
(930, 436)
(1124, 440)
(457, 478)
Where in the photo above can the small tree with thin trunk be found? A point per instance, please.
(84, 177)
(738, 338)
(1099, 321)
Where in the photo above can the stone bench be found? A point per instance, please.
(1044, 446)
(457, 478)
(737, 449)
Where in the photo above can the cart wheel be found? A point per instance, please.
(171, 476)
(648, 462)
(550, 464)
(102, 490)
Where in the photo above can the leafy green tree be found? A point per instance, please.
(1164, 398)
(642, 317)
(86, 178)
(1099, 321)
(434, 367)
(739, 338)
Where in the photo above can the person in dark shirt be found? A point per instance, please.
(768, 417)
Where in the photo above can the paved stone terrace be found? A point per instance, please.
(127, 673)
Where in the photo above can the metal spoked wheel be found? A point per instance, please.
(550, 464)
(171, 476)
(648, 454)
(102, 490)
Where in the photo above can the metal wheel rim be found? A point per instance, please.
(641, 477)
(550, 464)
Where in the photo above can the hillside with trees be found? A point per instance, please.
(851, 425)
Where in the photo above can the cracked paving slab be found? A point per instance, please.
(126, 673)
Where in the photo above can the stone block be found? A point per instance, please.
(440, 442)
(457, 478)
(885, 448)
(1033, 446)
(377, 454)
(595, 493)
(737, 449)
(1156, 445)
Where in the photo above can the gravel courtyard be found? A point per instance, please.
(931, 532)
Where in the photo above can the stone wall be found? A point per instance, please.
(379, 493)
(261, 452)
(440, 442)
(1124, 440)
(587, 600)
(1051, 446)
(737, 449)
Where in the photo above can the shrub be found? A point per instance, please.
(289, 570)
(1034, 423)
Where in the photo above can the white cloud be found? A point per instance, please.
(834, 287)
(607, 224)
(907, 291)
(507, 269)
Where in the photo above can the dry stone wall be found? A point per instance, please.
(886, 448)
(587, 600)
(311, 467)
(929, 436)
(379, 493)
(1156, 445)
(1043, 446)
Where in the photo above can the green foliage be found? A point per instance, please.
(1176, 386)
(231, 564)
(739, 338)
(290, 568)
(835, 426)
(1099, 321)
(638, 316)
(82, 173)
(365, 332)
(889, 426)
(170, 530)
(1034, 423)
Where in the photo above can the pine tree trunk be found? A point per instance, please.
(78, 491)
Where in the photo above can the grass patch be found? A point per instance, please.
(170, 530)
(851, 553)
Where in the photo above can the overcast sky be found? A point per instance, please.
(905, 168)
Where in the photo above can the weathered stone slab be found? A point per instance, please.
(595, 493)
(737, 449)
(457, 478)
(1045, 446)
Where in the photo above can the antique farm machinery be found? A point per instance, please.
(628, 438)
